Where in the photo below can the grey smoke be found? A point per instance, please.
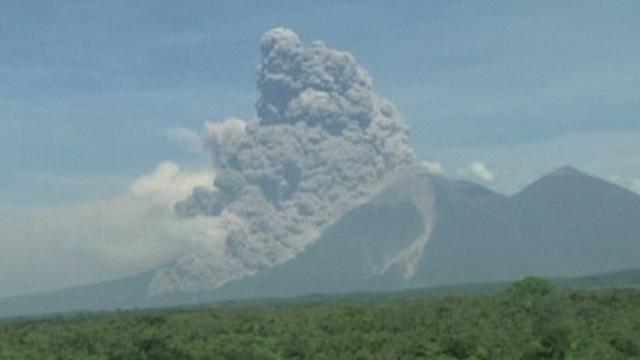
(322, 144)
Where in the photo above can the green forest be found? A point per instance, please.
(529, 320)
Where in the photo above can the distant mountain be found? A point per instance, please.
(422, 230)
(576, 224)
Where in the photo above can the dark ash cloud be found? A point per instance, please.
(323, 142)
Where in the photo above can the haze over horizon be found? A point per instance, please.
(103, 107)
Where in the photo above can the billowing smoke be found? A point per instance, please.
(322, 144)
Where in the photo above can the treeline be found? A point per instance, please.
(528, 321)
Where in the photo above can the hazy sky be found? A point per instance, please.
(96, 94)
(88, 90)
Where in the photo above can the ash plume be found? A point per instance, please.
(322, 144)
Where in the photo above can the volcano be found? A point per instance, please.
(420, 230)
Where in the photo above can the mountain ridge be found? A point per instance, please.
(421, 230)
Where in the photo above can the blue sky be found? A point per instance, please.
(89, 89)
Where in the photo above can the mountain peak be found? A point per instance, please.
(567, 170)
(564, 174)
(565, 179)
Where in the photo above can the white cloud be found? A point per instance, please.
(50, 247)
(630, 183)
(601, 154)
(477, 170)
(168, 184)
(187, 138)
(433, 167)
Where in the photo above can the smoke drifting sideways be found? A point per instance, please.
(322, 144)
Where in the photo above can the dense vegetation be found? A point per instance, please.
(528, 321)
